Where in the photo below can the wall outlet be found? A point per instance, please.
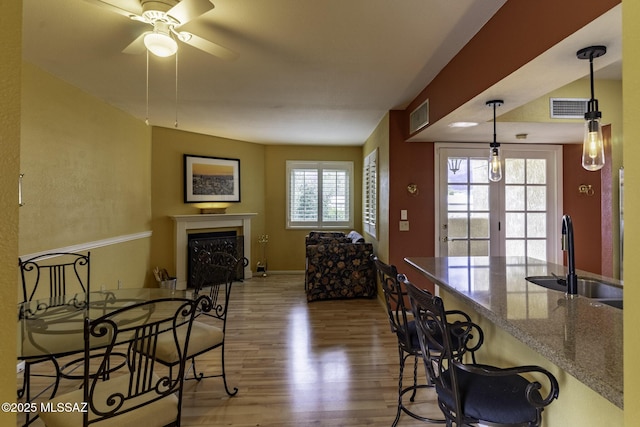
(403, 215)
(119, 284)
(20, 366)
(404, 225)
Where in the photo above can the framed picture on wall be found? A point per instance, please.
(211, 179)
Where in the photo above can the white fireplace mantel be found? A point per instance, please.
(184, 223)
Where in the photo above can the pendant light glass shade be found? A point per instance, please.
(593, 145)
(495, 159)
(495, 164)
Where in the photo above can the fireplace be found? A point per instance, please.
(212, 241)
(187, 224)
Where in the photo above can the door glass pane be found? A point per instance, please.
(479, 225)
(515, 247)
(514, 226)
(458, 225)
(457, 169)
(458, 248)
(479, 171)
(457, 199)
(479, 198)
(536, 171)
(514, 171)
(514, 197)
(536, 225)
(536, 198)
(479, 247)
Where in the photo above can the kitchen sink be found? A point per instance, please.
(604, 292)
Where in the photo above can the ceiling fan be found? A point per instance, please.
(166, 17)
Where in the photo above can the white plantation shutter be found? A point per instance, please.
(370, 193)
(319, 194)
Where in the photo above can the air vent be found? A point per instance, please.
(568, 108)
(419, 117)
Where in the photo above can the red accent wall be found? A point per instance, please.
(584, 209)
(410, 163)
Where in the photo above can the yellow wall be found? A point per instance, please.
(86, 166)
(631, 112)
(10, 69)
(169, 146)
(286, 247)
(86, 180)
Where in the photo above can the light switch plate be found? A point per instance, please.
(403, 214)
(404, 225)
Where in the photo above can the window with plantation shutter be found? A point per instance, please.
(370, 193)
(319, 194)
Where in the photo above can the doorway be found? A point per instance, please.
(517, 216)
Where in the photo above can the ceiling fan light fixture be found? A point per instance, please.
(160, 44)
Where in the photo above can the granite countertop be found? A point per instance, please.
(579, 335)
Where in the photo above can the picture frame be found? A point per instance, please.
(211, 179)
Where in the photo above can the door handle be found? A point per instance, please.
(447, 239)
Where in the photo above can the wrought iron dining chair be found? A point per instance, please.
(146, 393)
(404, 327)
(214, 276)
(55, 280)
(471, 393)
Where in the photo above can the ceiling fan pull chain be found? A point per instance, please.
(146, 119)
(176, 122)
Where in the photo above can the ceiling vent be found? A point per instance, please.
(419, 117)
(568, 108)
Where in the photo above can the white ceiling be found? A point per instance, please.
(306, 72)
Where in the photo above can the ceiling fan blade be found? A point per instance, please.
(115, 9)
(211, 48)
(186, 10)
(137, 46)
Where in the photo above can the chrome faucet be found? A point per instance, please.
(568, 246)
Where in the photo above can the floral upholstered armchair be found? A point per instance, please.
(339, 266)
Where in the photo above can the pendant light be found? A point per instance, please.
(593, 146)
(495, 160)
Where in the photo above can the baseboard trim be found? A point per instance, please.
(93, 245)
(278, 272)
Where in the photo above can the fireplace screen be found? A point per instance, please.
(220, 241)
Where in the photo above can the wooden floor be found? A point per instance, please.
(327, 363)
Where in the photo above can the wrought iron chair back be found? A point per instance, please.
(408, 346)
(56, 280)
(145, 389)
(55, 276)
(217, 272)
(472, 393)
(394, 297)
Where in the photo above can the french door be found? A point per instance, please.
(517, 216)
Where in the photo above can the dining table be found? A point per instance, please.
(52, 328)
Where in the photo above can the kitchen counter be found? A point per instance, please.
(579, 335)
